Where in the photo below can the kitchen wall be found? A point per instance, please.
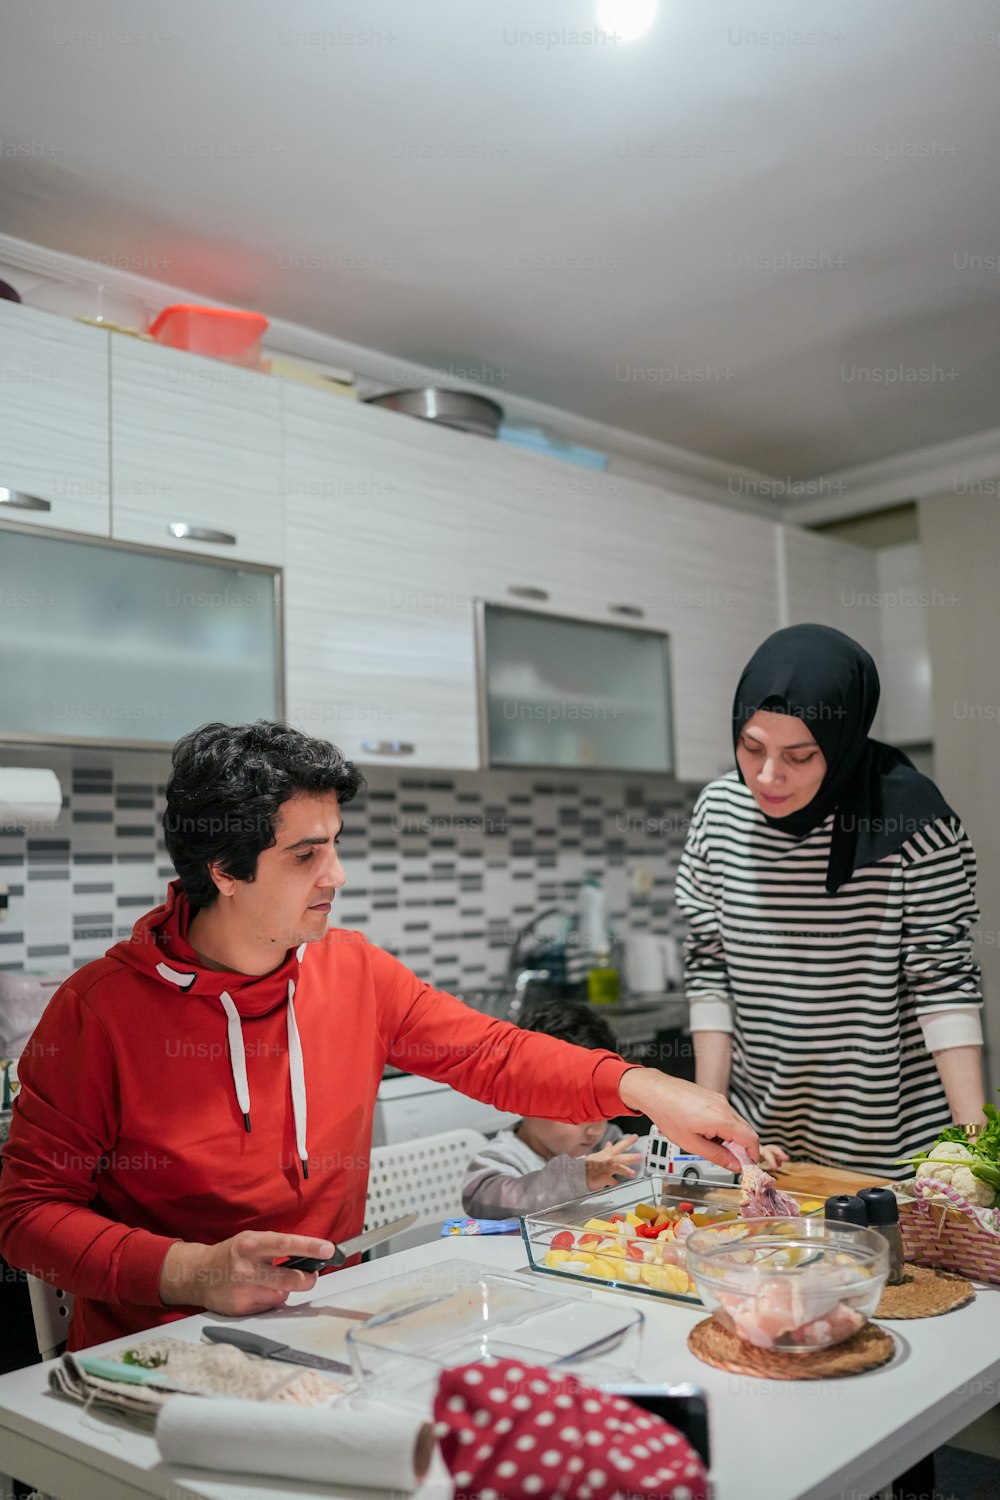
(960, 533)
(442, 868)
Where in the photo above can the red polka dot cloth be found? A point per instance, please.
(510, 1431)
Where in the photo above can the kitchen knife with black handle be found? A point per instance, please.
(350, 1247)
(255, 1343)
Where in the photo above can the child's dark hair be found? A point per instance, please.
(228, 782)
(569, 1021)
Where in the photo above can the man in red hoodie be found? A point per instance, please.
(198, 1103)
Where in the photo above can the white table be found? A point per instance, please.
(772, 1440)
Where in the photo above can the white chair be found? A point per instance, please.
(423, 1176)
(50, 1310)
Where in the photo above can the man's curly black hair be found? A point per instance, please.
(228, 782)
(568, 1021)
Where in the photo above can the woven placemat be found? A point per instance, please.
(714, 1345)
(925, 1292)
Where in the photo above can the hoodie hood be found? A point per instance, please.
(160, 938)
(159, 949)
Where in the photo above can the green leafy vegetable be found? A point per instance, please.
(984, 1151)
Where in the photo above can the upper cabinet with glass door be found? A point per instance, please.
(574, 694)
(113, 644)
(54, 422)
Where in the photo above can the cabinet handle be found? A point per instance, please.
(18, 500)
(186, 533)
(387, 747)
(633, 611)
(527, 591)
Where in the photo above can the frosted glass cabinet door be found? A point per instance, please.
(109, 644)
(561, 692)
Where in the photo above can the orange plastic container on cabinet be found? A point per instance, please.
(218, 332)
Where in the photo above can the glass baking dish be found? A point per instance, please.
(576, 1241)
(475, 1313)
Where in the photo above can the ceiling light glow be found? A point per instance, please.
(626, 19)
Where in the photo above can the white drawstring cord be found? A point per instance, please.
(237, 1057)
(297, 1078)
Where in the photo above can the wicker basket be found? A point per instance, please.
(942, 1229)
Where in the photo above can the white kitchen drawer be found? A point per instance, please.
(195, 442)
(54, 422)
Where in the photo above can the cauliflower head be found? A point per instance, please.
(952, 1151)
(950, 1162)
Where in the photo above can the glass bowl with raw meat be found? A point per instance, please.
(791, 1284)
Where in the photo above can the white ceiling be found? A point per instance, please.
(424, 192)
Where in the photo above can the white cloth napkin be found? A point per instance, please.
(363, 1443)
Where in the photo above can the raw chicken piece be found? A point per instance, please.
(759, 1198)
(840, 1325)
(793, 1310)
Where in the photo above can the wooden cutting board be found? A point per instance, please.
(823, 1182)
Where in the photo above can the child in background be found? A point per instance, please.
(542, 1162)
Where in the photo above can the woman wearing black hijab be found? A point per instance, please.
(830, 892)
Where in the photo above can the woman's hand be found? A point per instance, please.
(693, 1118)
(238, 1276)
(611, 1163)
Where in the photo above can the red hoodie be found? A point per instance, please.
(129, 1128)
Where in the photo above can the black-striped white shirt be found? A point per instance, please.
(835, 1003)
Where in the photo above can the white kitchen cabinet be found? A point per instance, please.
(905, 660)
(834, 583)
(54, 424)
(574, 693)
(379, 640)
(394, 528)
(476, 517)
(621, 550)
(709, 578)
(829, 582)
(598, 546)
(196, 444)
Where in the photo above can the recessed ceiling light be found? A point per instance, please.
(626, 19)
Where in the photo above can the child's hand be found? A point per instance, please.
(605, 1167)
(772, 1158)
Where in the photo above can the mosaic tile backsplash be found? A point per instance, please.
(442, 868)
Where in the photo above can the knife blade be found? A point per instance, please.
(350, 1247)
(255, 1343)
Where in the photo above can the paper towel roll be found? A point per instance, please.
(29, 797)
(368, 1444)
(644, 971)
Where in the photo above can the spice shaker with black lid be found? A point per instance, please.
(882, 1208)
(844, 1208)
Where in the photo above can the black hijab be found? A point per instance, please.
(829, 682)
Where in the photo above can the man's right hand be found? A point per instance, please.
(238, 1276)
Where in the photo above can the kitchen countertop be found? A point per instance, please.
(772, 1440)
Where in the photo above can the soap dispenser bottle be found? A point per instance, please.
(603, 980)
